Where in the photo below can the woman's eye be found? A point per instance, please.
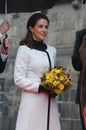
(40, 26)
(46, 27)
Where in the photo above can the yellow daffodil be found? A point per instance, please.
(57, 80)
(61, 77)
(61, 86)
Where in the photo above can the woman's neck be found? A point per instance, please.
(39, 45)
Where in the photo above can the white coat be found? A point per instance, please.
(29, 67)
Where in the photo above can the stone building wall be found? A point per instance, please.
(64, 22)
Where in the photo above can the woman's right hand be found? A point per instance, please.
(45, 90)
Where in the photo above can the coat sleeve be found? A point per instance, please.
(20, 72)
(2, 64)
(76, 60)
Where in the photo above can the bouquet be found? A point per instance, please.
(56, 80)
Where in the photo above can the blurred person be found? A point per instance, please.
(78, 66)
(4, 27)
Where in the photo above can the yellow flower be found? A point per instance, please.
(61, 86)
(55, 83)
(61, 77)
(58, 91)
(56, 80)
(58, 71)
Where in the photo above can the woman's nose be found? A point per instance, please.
(44, 29)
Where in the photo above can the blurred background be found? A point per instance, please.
(66, 17)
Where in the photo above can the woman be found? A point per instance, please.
(31, 61)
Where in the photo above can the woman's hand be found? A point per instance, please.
(43, 89)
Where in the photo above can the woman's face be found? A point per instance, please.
(40, 30)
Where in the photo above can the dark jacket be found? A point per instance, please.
(2, 65)
(76, 60)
